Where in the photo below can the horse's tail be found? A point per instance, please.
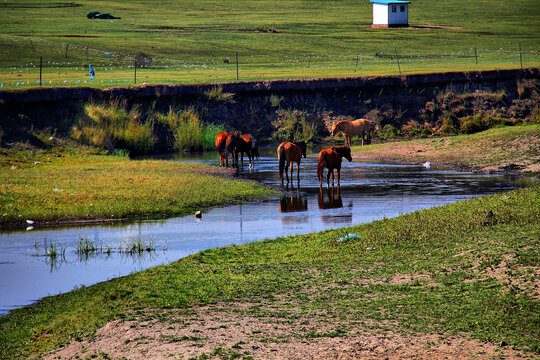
(320, 165)
(282, 159)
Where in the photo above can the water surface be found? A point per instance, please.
(369, 191)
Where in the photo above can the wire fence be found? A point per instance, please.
(71, 68)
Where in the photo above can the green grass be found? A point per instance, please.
(57, 187)
(447, 248)
(194, 42)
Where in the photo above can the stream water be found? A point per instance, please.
(369, 191)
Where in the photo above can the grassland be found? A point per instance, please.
(194, 42)
(462, 276)
(510, 148)
(52, 187)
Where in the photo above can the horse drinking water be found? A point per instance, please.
(361, 127)
(331, 159)
(288, 152)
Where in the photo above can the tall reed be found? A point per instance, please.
(112, 126)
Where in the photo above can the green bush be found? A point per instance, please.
(293, 125)
(389, 132)
(113, 127)
(209, 138)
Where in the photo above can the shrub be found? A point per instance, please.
(448, 124)
(472, 124)
(113, 127)
(217, 94)
(389, 132)
(293, 125)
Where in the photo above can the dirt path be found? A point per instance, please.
(215, 332)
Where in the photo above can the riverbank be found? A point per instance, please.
(510, 149)
(52, 188)
(449, 281)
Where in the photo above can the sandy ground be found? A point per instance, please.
(525, 155)
(215, 332)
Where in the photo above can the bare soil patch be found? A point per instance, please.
(224, 331)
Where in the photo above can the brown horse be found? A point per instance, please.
(221, 143)
(361, 127)
(287, 153)
(246, 145)
(331, 159)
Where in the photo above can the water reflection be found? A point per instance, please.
(293, 202)
(331, 199)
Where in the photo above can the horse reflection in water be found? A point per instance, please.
(333, 200)
(291, 204)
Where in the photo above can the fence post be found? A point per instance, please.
(309, 61)
(40, 70)
(87, 54)
(135, 69)
(32, 45)
(356, 67)
(397, 58)
(67, 46)
(475, 55)
(520, 57)
(237, 66)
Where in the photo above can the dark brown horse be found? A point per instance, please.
(245, 145)
(331, 159)
(287, 153)
(254, 145)
(230, 148)
(221, 143)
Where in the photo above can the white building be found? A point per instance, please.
(390, 13)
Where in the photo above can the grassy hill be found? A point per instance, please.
(197, 41)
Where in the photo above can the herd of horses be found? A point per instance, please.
(289, 153)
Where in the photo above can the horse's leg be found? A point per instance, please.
(297, 172)
(338, 176)
(287, 170)
(328, 178)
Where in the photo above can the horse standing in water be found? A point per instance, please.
(230, 148)
(247, 144)
(288, 152)
(361, 127)
(331, 159)
(221, 143)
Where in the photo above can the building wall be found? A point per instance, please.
(398, 17)
(380, 14)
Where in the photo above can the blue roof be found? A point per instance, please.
(386, 2)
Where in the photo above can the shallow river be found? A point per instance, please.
(369, 191)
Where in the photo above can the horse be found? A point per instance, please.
(331, 159)
(247, 144)
(230, 148)
(287, 153)
(361, 127)
(254, 145)
(221, 143)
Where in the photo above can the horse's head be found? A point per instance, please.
(343, 151)
(334, 128)
(347, 153)
(232, 142)
(303, 146)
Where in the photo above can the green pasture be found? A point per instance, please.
(52, 186)
(178, 42)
